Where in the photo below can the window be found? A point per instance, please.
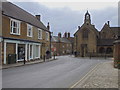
(85, 34)
(31, 51)
(47, 36)
(37, 53)
(29, 30)
(39, 34)
(15, 27)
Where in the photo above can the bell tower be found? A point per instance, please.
(87, 19)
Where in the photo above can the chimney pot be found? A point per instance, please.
(68, 34)
(59, 35)
(108, 23)
(48, 26)
(38, 17)
(78, 27)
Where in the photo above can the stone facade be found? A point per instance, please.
(117, 53)
(61, 45)
(25, 37)
(90, 41)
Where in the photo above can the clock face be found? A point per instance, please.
(87, 17)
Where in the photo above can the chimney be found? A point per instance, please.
(78, 27)
(48, 26)
(65, 34)
(108, 23)
(59, 35)
(38, 17)
(68, 34)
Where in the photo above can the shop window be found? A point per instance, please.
(37, 53)
(31, 51)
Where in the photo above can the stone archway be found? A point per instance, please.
(101, 50)
(109, 50)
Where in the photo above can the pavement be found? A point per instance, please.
(18, 64)
(103, 75)
(66, 72)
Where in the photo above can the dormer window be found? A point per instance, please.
(15, 27)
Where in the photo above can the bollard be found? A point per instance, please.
(24, 60)
(54, 57)
(44, 58)
(105, 56)
(90, 56)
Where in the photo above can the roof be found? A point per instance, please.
(115, 30)
(62, 39)
(105, 42)
(16, 12)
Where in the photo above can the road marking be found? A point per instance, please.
(85, 76)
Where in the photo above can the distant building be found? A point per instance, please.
(90, 41)
(62, 45)
(23, 35)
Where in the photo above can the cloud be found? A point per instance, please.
(66, 19)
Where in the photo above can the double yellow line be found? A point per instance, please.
(74, 85)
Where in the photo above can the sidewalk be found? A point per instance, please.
(18, 64)
(103, 76)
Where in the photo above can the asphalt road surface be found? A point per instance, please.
(61, 73)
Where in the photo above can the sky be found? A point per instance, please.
(67, 15)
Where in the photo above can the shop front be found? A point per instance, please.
(21, 50)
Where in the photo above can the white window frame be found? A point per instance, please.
(40, 35)
(31, 32)
(47, 36)
(11, 26)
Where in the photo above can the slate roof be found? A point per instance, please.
(115, 30)
(16, 12)
(105, 42)
(62, 39)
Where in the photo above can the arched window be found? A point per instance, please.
(85, 34)
(109, 50)
(102, 50)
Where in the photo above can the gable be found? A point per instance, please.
(15, 12)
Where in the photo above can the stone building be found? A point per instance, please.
(23, 35)
(61, 45)
(90, 41)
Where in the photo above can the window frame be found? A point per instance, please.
(85, 34)
(47, 36)
(29, 26)
(40, 35)
(17, 27)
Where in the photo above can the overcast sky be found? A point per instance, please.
(66, 16)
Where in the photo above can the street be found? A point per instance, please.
(60, 73)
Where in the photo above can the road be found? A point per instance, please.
(61, 73)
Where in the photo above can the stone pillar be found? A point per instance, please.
(117, 54)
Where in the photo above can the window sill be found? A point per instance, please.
(15, 34)
(39, 38)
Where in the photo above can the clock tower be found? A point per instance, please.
(87, 19)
